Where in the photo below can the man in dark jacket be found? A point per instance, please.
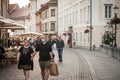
(60, 45)
(45, 56)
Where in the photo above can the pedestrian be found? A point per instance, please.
(52, 42)
(45, 57)
(69, 42)
(30, 42)
(37, 41)
(17, 43)
(9, 42)
(25, 58)
(60, 45)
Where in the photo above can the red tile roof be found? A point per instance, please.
(48, 4)
(12, 7)
(43, 5)
(21, 13)
(28, 16)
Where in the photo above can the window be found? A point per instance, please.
(84, 13)
(84, 38)
(45, 14)
(67, 19)
(108, 10)
(80, 36)
(52, 26)
(88, 37)
(73, 36)
(76, 37)
(73, 18)
(80, 15)
(88, 12)
(70, 18)
(76, 17)
(52, 12)
(46, 28)
(43, 28)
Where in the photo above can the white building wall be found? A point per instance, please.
(32, 16)
(27, 24)
(19, 32)
(76, 13)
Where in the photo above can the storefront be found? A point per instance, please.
(5, 26)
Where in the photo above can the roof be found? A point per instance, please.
(48, 4)
(53, 1)
(20, 13)
(12, 7)
(28, 16)
(38, 12)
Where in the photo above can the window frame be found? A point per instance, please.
(53, 13)
(108, 11)
(51, 27)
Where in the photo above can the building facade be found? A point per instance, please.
(38, 22)
(6, 24)
(117, 3)
(76, 14)
(20, 15)
(4, 14)
(34, 7)
(49, 17)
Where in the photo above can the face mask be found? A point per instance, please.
(43, 40)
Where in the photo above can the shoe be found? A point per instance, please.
(60, 60)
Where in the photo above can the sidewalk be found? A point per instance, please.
(102, 66)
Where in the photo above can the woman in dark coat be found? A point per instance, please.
(25, 59)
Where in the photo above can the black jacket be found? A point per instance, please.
(60, 44)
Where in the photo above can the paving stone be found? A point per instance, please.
(73, 67)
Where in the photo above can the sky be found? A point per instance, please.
(20, 2)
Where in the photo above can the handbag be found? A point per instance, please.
(54, 69)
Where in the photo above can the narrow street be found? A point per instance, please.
(78, 64)
(74, 67)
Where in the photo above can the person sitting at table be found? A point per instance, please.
(2, 56)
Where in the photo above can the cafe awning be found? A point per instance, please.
(10, 24)
(16, 28)
(31, 33)
(5, 23)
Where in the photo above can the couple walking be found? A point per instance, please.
(26, 55)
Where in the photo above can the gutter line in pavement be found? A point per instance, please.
(92, 70)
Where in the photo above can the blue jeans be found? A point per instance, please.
(60, 51)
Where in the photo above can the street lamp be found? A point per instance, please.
(91, 25)
(115, 21)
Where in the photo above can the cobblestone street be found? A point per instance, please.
(78, 64)
(73, 67)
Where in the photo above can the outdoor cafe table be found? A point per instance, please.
(11, 52)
